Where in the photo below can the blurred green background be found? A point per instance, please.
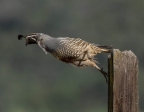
(31, 81)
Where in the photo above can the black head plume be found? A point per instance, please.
(20, 37)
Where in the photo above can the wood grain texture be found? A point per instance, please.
(124, 87)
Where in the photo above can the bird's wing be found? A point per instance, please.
(70, 48)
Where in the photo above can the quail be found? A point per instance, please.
(70, 50)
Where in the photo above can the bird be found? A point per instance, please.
(69, 50)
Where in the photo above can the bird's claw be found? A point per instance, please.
(105, 74)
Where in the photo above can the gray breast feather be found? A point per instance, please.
(50, 44)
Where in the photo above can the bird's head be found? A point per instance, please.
(31, 38)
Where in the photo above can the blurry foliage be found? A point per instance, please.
(31, 81)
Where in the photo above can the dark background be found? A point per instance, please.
(31, 81)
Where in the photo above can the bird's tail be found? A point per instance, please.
(105, 48)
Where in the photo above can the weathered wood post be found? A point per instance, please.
(123, 82)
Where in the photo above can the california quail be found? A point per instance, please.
(70, 50)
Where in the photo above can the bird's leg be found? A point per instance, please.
(105, 74)
(82, 59)
(89, 54)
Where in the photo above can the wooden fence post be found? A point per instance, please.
(123, 82)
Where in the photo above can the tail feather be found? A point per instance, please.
(106, 48)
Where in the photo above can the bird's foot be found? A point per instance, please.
(105, 74)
